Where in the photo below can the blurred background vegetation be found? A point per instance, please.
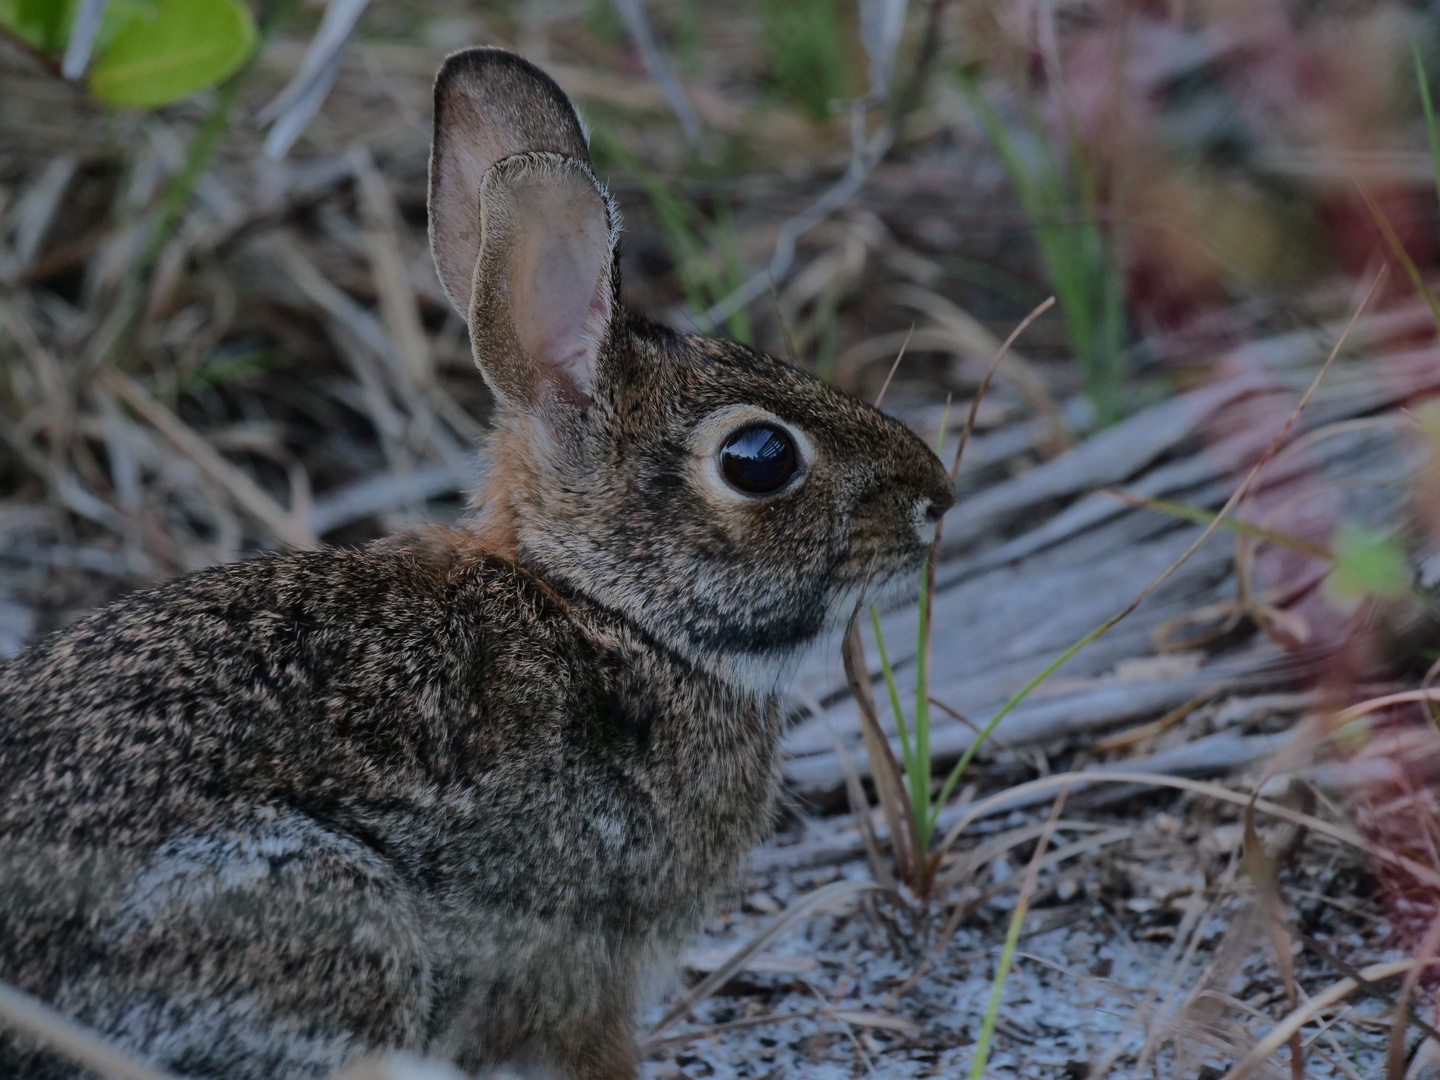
(220, 330)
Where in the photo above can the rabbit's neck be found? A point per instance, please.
(537, 508)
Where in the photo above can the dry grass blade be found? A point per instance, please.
(867, 1019)
(1298, 1018)
(1261, 868)
(1395, 1052)
(860, 812)
(899, 355)
(883, 346)
(1397, 249)
(1134, 735)
(1368, 987)
(21, 1012)
(1244, 528)
(382, 242)
(858, 1018)
(63, 486)
(685, 1039)
(390, 491)
(336, 303)
(884, 769)
(1404, 697)
(1000, 353)
(970, 336)
(802, 909)
(247, 494)
(971, 862)
(1179, 959)
(961, 718)
(960, 910)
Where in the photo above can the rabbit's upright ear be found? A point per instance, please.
(521, 232)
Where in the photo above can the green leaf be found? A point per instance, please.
(1431, 128)
(1367, 563)
(46, 24)
(182, 47)
(43, 23)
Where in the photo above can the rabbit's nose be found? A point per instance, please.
(934, 511)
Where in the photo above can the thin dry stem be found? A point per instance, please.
(895, 366)
(22, 1012)
(884, 769)
(1396, 1051)
(1040, 309)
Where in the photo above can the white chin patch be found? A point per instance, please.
(772, 672)
(924, 526)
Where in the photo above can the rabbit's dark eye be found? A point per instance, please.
(759, 459)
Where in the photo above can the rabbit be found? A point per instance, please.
(458, 792)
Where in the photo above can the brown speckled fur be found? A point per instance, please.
(455, 792)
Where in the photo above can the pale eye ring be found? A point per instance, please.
(759, 459)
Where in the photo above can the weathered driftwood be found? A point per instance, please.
(1003, 611)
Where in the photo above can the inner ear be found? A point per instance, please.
(544, 294)
(559, 279)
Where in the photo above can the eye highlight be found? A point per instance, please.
(759, 459)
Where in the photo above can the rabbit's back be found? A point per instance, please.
(271, 814)
(312, 677)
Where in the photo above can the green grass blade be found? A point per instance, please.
(997, 988)
(1204, 517)
(999, 135)
(970, 751)
(920, 781)
(722, 283)
(1062, 207)
(893, 689)
(688, 237)
(1430, 127)
(1012, 938)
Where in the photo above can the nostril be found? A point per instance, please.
(934, 511)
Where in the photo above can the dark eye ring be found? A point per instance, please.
(759, 459)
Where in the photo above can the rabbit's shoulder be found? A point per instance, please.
(281, 676)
